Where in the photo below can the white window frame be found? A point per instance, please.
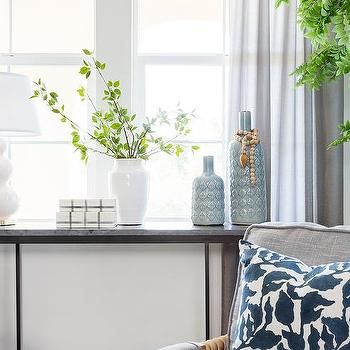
(141, 60)
(201, 59)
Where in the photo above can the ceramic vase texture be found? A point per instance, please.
(248, 202)
(129, 185)
(208, 196)
(8, 197)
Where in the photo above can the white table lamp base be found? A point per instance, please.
(8, 197)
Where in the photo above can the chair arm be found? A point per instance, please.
(218, 343)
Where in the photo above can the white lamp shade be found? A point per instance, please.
(18, 114)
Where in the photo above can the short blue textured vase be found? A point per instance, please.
(208, 196)
(248, 201)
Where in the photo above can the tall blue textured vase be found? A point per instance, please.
(208, 196)
(247, 175)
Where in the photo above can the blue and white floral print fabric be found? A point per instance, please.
(287, 305)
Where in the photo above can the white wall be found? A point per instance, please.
(134, 297)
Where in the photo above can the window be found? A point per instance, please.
(43, 39)
(179, 56)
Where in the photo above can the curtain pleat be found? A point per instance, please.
(328, 113)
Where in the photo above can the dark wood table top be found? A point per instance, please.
(151, 232)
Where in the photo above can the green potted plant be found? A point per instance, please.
(116, 134)
(327, 25)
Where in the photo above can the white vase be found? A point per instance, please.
(129, 185)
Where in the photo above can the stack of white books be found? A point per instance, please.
(86, 213)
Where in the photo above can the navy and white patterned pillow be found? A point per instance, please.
(287, 305)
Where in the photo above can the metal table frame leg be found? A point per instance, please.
(207, 291)
(18, 297)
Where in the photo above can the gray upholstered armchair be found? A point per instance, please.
(311, 243)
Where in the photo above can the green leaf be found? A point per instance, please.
(195, 148)
(36, 93)
(116, 126)
(178, 150)
(83, 70)
(76, 138)
(87, 52)
(279, 2)
(105, 130)
(81, 91)
(344, 135)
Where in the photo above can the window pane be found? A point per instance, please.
(64, 80)
(53, 26)
(4, 25)
(43, 174)
(195, 87)
(171, 180)
(180, 26)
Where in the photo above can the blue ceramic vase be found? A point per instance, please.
(248, 201)
(208, 196)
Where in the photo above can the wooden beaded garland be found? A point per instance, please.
(249, 140)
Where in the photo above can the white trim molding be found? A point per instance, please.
(114, 46)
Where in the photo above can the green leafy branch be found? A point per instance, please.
(326, 23)
(114, 131)
(344, 135)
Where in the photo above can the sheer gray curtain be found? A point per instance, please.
(304, 180)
